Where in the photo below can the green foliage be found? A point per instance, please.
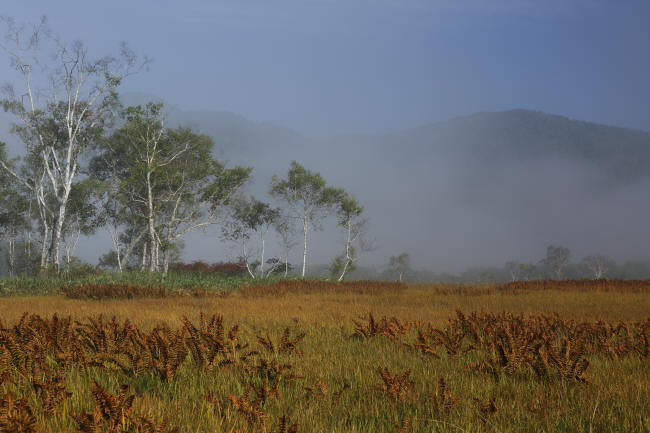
(306, 193)
(308, 198)
(162, 178)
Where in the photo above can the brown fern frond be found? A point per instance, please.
(50, 390)
(111, 411)
(397, 386)
(404, 427)
(16, 415)
(285, 426)
(486, 408)
(442, 399)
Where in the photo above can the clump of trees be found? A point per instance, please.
(88, 163)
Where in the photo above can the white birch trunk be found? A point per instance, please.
(262, 255)
(12, 256)
(46, 236)
(304, 249)
(143, 264)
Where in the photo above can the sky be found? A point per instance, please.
(328, 67)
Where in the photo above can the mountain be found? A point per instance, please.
(529, 134)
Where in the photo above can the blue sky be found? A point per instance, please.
(328, 67)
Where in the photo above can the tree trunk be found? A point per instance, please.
(153, 263)
(130, 249)
(12, 257)
(244, 255)
(304, 249)
(46, 236)
(166, 261)
(347, 252)
(262, 257)
(55, 241)
(143, 264)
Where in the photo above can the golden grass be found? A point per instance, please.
(414, 303)
(319, 366)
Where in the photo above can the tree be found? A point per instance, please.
(308, 198)
(57, 124)
(399, 266)
(557, 259)
(249, 217)
(286, 232)
(598, 264)
(165, 182)
(14, 212)
(13, 217)
(83, 216)
(349, 219)
(514, 270)
(519, 271)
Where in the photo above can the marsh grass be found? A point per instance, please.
(340, 388)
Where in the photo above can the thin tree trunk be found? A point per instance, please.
(12, 257)
(144, 257)
(46, 236)
(131, 248)
(304, 249)
(347, 253)
(262, 256)
(153, 264)
(245, 257)
(116, 246)
(166, 261)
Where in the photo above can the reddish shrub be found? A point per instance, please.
(226, 269)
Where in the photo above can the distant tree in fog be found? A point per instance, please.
(399, 266)
(308, 199)
(286, 232)
(349, 218)
(14, 218)
(251, 217)
(514, 270)
(557, 259)
(518, 271)
(598, 264)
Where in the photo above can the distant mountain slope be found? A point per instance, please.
(236, 138)
(488, 136)
(517, 134)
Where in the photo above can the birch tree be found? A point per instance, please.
(286, 233)
(399, 266)
(166, 176)
(251, 217)
(308, 199)
(598, 264)
(557, 259)
(349, 218)
(65, 101)
(14, 216)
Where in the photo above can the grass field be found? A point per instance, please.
(558, 367)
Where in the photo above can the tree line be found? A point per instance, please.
(556, 264)
(89, 163)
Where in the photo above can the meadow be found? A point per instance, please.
(314, 356)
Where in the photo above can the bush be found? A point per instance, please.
(226, 269)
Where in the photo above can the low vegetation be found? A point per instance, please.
(318, 356)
